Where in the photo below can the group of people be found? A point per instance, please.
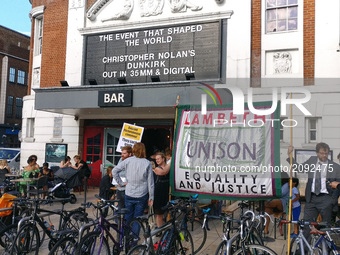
(322, 189)
(32, 170)
(79, 165)
(139, 183)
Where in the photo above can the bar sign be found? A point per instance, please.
(115, 98)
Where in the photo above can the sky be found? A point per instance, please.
(14, 15)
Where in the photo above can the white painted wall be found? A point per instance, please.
(43, 132)
(327, 39)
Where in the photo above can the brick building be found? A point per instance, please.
(14, 56)
(153, 50)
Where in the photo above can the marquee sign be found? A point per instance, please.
(163, 54)
(225, 156)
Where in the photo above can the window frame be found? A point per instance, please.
(11, 77)
(18, 107)
(30, 128)
(310, 129)
(277, 7)
(38, 35)
(9, 107)
(21, 77)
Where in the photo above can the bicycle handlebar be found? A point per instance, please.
(299, 222)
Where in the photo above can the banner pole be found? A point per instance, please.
(176, 112)
(290, 177)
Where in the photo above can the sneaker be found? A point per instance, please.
(293, 235)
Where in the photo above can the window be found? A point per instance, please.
(30, 128)
(11, 74)
(93, 149)
(281, 15)
(312, 129)
(18, 108)
(38, 35)
(9, 113)
(21, 77)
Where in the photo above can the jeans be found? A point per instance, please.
(136, 206)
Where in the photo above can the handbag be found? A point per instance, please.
(152, 219)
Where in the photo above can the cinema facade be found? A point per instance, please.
(97, 64)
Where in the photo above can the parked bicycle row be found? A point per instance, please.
(100, 233)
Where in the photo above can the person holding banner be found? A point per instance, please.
(139, 182)
(161, 187)
(320, 196)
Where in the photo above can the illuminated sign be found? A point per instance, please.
(166, 54)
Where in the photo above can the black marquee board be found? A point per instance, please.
(167, 52)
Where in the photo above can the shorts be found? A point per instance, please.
(296, 213)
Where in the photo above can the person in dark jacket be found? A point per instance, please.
(105, 185)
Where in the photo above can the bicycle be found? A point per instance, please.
(175, 240)
(246, 240)
(8, 233)
(194, 226)
(96, 242)
(28, 238)
(321, 242)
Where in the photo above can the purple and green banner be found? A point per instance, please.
(220, 155)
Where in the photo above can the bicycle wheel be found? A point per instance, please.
(138, 250)
(65, 246)
(134, 233)
(29, 212)
(93, 244)
(7, 238)
(181, 244)
(198, 234)
(255, 249)
(184, 244)
(27, 241)
(74, 221)
(221, 248)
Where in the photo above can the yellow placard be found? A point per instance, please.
(132, 132)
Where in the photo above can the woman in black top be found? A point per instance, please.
(82, 167)
(161, 187)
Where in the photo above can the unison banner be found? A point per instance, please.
(226, 156)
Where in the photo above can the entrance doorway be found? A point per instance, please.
(100, 144)
(156, 138)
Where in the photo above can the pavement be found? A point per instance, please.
(279, 245)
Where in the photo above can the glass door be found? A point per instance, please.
(110, 156)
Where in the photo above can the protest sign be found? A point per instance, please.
(226, 156)
(129, 135)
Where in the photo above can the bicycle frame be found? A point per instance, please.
(326, 242)
(105, 227)
(301, 240)
(36, 218)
